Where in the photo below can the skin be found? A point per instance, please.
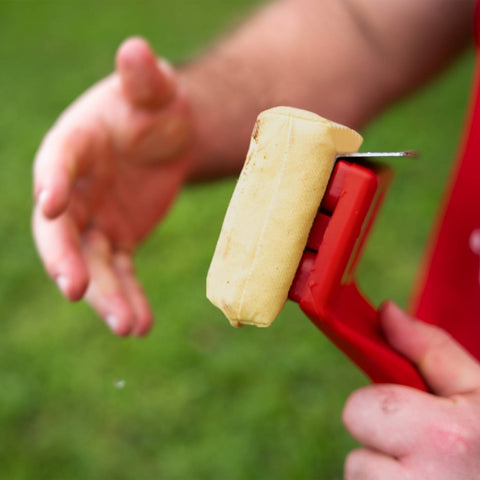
(412, 435)
(105, 174)
(110, 167)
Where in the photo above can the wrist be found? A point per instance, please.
(202, 144)
(222, 116)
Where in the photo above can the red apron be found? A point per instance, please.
(449, 288)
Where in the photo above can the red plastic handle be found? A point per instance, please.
(325, 287)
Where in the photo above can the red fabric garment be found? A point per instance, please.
(449, 290)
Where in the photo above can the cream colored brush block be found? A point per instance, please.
(288, 165)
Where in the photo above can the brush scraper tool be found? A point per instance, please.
(294, 229)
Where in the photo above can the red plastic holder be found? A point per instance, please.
(325, 286)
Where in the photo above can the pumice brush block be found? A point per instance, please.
(291, 156)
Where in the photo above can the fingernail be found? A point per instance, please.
(43, 197)
(62, 283)
(112, 322)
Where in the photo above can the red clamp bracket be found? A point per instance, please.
(325, 286)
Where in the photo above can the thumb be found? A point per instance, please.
(447, 368)
(146, 81)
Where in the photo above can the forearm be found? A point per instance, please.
(346, 60)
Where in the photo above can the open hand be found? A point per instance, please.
(408, 434)
(104, 175)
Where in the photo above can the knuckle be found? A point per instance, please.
(97, 242)
(440, 337)
(53, 262)
(123, 263)
(456, 437)
(440, 343)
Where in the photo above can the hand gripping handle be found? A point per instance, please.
(325, 286)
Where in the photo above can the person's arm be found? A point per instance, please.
(344, 59)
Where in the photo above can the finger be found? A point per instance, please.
(105, 292)
(392, 418)
(59, 248)
(61, 157)
(146, 81)
(126, 273)
(445, 365)
(366, 464)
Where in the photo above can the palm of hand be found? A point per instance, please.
(136, 160)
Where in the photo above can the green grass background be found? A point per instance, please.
(201, 400)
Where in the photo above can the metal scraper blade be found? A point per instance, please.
(409, 153)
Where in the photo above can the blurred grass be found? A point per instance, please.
(201, 400)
